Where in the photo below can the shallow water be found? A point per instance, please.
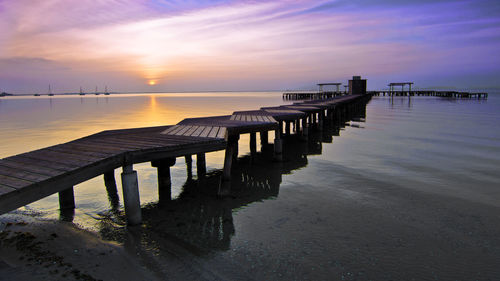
(410, 192)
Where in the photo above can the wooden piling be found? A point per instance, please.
(201, 165)
(131, 197)
(164, 179)
(67, 199)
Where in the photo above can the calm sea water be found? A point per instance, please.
(410, 192)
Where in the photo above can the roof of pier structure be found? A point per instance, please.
(400, 83)
(329, 84)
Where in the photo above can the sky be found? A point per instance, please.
(224, 45)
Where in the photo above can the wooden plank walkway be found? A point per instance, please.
(30, 176)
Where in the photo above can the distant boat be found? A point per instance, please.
(96, 93)
(81, 92)
(106, 91)
(50, 91)
(36, 95)
(4, 94)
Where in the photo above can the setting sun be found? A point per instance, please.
(152, 82)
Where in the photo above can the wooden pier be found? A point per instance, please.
(31, 176)
(392, 92)
(431, 93)
(311, 95)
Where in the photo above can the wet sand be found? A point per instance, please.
(33, 249)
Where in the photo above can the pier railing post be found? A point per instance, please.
(164, 178)
(278, 147)
(201, 165)
(305, 128)
(131, 195)
(232, 143)
(110, 183)
(264, 138)
(253, 143)
(321, 120)
(189, 166)
(67, 199)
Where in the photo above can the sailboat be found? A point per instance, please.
(81, 92)
(50, 91)
(96, 93)
(106, 91)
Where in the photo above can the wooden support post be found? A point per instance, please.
(67, 199)
(236, 147)
(131, 198)
(278, 148)
(305, 128)
(264, 138)
(253, 143)
(288, 125)
(110, 183)
(164, 178)
(189, 166)
(281, 128)
(201, 165)
(232, 143)
(321, 120)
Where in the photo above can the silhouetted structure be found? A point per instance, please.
(357, 86)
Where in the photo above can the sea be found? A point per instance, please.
(410, 190)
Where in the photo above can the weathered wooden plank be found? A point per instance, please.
(60, 163)
(175, 129)
(89, 146)
(38, 164)
(142, 142)
(254, 118)
(130, 145)
(5, 189)
(198, 131)
(213, 132)
(232, 117)
(108, 143)
(22, 174)
(167, 131)
(60, 156)
(222, 133)
(35, 192)
(14, 182)
(260, 118)
(74, 150)
(183, 130)
(163, 140)
(93, 147)
(191, 130)
(36, 168)
(205, 132)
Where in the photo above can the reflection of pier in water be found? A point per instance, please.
(200, 221)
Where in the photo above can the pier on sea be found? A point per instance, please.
(34, 175)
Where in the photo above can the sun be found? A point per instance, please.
(152, 82)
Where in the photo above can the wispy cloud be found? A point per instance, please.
(240, 44)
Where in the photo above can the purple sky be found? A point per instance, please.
(245, 45)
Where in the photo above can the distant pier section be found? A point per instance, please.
(357, 86)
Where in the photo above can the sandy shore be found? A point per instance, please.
(32, 249)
